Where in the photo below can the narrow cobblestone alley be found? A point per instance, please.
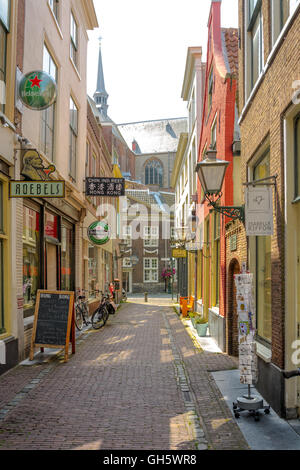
(139, 383)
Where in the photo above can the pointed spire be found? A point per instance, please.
(101, 95)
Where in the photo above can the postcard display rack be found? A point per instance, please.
(247, 347)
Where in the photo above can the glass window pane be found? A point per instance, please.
(93, 272)
(1, 208)
(31, 258)
(297, 157)
(256, 50)
(66, 258)
(5, 12)
(263, 272)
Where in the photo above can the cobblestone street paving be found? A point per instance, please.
(139, 383)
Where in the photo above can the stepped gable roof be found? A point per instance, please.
(157, 136)
(167, 198)
(148, 198)
(230, 42)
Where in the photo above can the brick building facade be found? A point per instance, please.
(219, 130)
(269, 110)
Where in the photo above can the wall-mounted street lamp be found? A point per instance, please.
(211, 173)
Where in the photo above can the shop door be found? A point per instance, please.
(298, 303)
(51, 258)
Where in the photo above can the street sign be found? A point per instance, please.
(37, 90)
(53, 326)
(100, 186)
(178, 253)
(259, 210)
(98, 233)
(49, 188)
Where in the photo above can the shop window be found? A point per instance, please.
(93, 272)
(66, 258)
(73, 139)
(31, 258)
(51, 225)
(263, 266)
(48, 115)
(2, 329)
(4, 31)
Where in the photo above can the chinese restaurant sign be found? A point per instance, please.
(37, 90)
(105, 186)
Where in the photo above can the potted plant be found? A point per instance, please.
(201, 325)
(167, 274)
(193, 316)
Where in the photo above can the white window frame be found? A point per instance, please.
(127, 235)
(249, 83)
(74, 40)
(151, 236)
(149, 267)
(127, 263)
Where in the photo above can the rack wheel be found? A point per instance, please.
(234, 406)
(267, 411)
(236, 414)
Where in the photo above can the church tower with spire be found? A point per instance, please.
(101, 95)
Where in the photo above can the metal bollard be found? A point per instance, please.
(146, 296)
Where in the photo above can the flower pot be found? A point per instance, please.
(201, 329)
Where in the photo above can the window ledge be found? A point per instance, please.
(263, 352)
(75, 68)
(215, 311)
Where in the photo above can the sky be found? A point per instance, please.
(144, 47)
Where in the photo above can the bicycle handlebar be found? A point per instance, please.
(292, 373)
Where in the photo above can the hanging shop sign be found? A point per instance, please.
(53, 325)
(246, 328)
(37, 90)
(98, 233)
(259, 210)
(178, 253)
(53, 188)
(113, 187)
(37, 181)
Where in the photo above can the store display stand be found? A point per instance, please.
(250, 403)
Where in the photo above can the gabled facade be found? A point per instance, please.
(217, 131)
(184, 178)
(45, 240)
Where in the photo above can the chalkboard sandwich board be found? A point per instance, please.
(53, 321)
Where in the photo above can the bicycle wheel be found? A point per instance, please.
(78, 318)
(98, 318)
(85, 314)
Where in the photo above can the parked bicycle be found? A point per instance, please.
(101, 314)
(81, 312)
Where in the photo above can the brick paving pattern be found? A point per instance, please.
(139, 383)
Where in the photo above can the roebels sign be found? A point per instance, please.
(37, 90)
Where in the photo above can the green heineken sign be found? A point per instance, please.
(37, 90)
(98, 233)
